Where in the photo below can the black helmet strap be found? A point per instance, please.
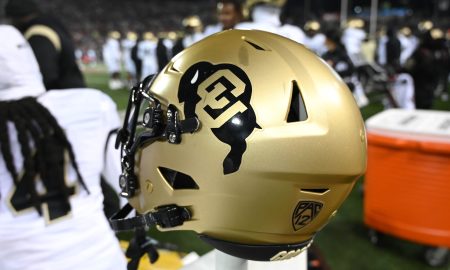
(166, 217)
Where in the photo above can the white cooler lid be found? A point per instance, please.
(421, 125)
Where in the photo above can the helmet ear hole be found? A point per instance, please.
(178, 180)
(297, 109)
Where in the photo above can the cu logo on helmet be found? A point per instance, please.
(220, 92)
(219, 95)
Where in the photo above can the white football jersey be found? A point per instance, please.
(212, 29)
(267, 18)
(146, 51)
(127, 46)
(352, 39)
(316, 43)
(83, 238)
(112, 55)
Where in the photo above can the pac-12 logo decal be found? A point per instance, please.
(304, 213)
(220, 95)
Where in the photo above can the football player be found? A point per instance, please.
(52, 156)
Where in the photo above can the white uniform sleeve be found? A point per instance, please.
(293, 32)
(111, 167)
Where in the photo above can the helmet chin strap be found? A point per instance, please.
(141, 244)
(165, 216)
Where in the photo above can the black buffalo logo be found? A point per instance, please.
(225, 92)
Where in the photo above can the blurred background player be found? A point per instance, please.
(112, 58)
(127, 45)
(337, 57)
(51, 43)
(442, 55)
(389, 50)
(399, 85)
(314, 39)
(192, 32)
(168, 40)
(229, 13)
(424, 26)
(134, 57)
(52, 155)
(428, 64)
(162, 54)
(146, 52)
(353, 37)
(265, 15)
(409, 43)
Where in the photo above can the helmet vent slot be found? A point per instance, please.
(171, 68)
(297, 109)
(254, 45)
(319, 191)
(177, 180)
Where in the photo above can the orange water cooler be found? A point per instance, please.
(407, 183)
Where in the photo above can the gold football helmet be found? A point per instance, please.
(406, 31)
(132, 35)
(355, 23)
(312, 25)
(277, 3)
(248, 139)
(149, 36)
(425, 25)
(437, 33)
(114, 34)
(193, 22)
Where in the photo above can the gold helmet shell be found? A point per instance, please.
(280, 146)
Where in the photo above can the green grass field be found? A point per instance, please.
(343, 242)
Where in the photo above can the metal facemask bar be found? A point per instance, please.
(156, 124)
